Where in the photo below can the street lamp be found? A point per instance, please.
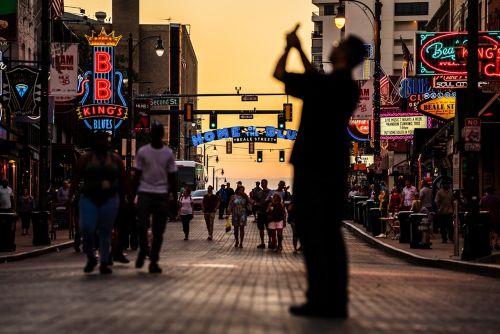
(217, 179)
(131, 47)
(340, 22)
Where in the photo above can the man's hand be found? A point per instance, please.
(292, 41)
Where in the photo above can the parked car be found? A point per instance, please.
(197, 197)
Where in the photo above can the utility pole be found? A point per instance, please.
(41, 235)
(470, 163)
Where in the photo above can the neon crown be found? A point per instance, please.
(103, 39)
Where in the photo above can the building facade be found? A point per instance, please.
(400, 19)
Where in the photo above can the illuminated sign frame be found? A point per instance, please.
(446, 53)
(106, 109)
(400, 115)
(245, 134)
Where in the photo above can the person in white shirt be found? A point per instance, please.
(408, 193)
(6, 197)
(155, 183)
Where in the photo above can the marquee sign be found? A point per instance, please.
(244, 134)
(102, 106)
(401, 125)
(446, 53)
(24, 94)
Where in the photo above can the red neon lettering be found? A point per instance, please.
(493, 72)
(102, 62)
(86, 111)
(111, 110)
(119, 112)
(102, 89)
(101, 110)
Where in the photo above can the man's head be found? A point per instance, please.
(100, 141)
(257, 183)
(5, 183)
(228, 185)
(348, 53)
(210, 189)
(281, 185)
(263, 182)
(157, 133)
(223, 186)
(239, 183)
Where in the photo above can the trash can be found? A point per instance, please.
(40, 220)
(356, 200)
(360, 212)
(348, 209)
(375, 222)
(368, 223)
(404, 226)
(416, 240)
(476, 235)
(7, 232)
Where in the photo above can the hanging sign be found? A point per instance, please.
(103, 106)
(24, 96)
(365, 104)
(446, 53)
(442, 108)
(400, 126)
(64, 70)
(244, 134)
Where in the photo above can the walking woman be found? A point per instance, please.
(103, 177)
(25, 208)
(186, 210)
(238, 208)
(277, 217)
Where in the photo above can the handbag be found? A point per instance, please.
(227, 225)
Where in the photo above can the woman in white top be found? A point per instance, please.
(186, 210)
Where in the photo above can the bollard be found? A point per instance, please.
(7, 232)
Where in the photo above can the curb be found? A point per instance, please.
(36, 252)
(473, 268)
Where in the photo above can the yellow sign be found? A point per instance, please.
(441, 108)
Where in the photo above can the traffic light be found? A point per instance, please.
(188, 112)
(229, 147)
(213, 121)
(259, 156)
(281, 121)
(287, 110)
(282, 156)
(251, 147)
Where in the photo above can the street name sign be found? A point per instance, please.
(249, 98)
(166, 101)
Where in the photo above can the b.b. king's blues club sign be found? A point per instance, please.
(103, 106)
(244, 134)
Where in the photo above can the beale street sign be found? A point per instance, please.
(245, 134)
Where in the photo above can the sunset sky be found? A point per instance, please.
(237, 44)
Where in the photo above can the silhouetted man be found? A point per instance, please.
(155, 184)
(332, 97)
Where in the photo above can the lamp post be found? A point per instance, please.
(131, 47)
(217, 179)
(340, 22)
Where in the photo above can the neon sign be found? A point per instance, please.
(244, 134)
(102, 106)
(359, 129)
(446, 53)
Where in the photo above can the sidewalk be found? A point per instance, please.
(25, 248)
(439, 256)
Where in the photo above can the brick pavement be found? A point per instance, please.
(212, 287)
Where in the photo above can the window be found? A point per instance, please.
(411, 9)
(329, 10)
